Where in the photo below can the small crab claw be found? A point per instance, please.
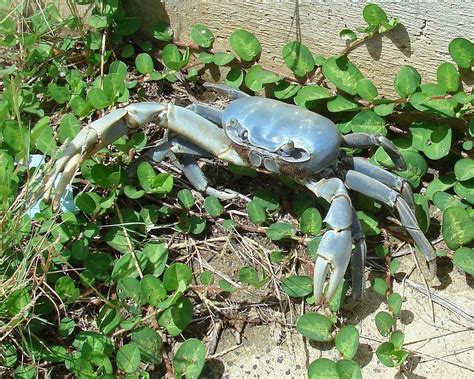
(334, 251)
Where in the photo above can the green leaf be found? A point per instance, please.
(221, 59)
(297, 286)
(315, 327)
(441, 107)
(384, 322)
(448, 77)
(464, 169)
(342, 73)
(206, 57)
(256, 78)
(114, 85)
(185, 198)
(347, 341)
(397, 338)
(256, 212)
(407, 81)
(189, 359)
(235, 77)
(149, 343)
(298, 58)
(422, 212)
(245, 44)
(152, 289)
(384, 354)
(60, 94)
(323, 368)
(394, 302)
(368, 122)
(280, 230)
(374, 15)
(267, 199)
(442, 183)
(175, 273)
(108, 319)
(309, 96)
(156, 255)
(347, 34)
(366, 90)
(342, 104)
(380, 286)
(162, 31)
(172, 57)
(68, 128)
(249, 275)
(80, 106)
(457, 227)
(433, 140)
(97, 98)
(465, 189)
(144, 63)
(463, 258)
(310, 221)
(462, 51)
(445, 200)
(177, 318)
(336, 302)
(128, 358)
(66, 327)
(206, 278)
(285, 90)
(348, 369)
(383, 110)
(66, 289)
(213, 206)
(369, 224)
(201, 35)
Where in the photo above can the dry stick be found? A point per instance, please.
(415, 258)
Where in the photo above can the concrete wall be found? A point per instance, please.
(422, 40)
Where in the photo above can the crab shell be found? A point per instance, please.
(281, 137)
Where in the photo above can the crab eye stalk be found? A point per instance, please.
(288, 148)
(244, 135)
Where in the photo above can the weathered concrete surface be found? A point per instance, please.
(422, 41)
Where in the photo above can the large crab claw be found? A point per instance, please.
(184, 122)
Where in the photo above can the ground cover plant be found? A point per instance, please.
(122, 283)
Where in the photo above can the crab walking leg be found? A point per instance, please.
(233, 93)
(393, 181)
(379, 191)
(334, 251)
(209, 113)
(182, 154)
(363, 140)
(358, 258)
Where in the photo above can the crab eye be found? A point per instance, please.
(288, 148)
(244, 135)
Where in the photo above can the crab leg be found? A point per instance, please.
(334, 251)
(186, 161)
(358, 257)
(233, 93)
(379, 191)
(363, 140)
(106, 130)
(393, 181)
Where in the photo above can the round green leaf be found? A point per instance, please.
(175, 273)
(394, 302)
(442, 183)
(448, 76)
(97, 98)
(422, 212)
(248, 275)
(347, 34)
(114, 85)
(68, 128)
(256, 212)
(464, 259)
(464, 169)
(128, 358)
(323, 368)
(206, 278)
(342, 104)
(397, 339)
(310, 221)
(285, 90)
(235, 77)
(144, 63)
(177, 318)
(383, 110)
(342, 73)
(245, 44)
(185, 198)
(347, 341)
(162, 31)
(457, 227)
(380, 286)
(280, 230)
(298, 58)
(315, 326)
(384, 322)
(465, 189)
(462, 51)
(206, 57)
(189, 359)
(366, 90)
(407, 81)
(256, 78)
(348, 369)
(445, 200)
(202, 36)
(308, 97)
(152, 290)
(297, 286)
(149, 343)
(213, 206)
(221, 58)
(374, 15)
(384, 354)
(172, 57)
(368, 122)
